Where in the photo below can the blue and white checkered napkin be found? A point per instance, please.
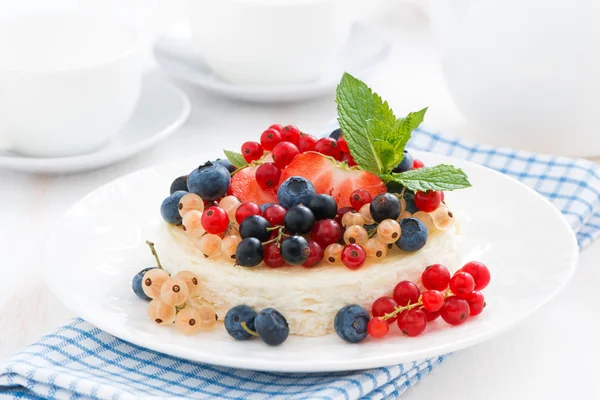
(79, 360)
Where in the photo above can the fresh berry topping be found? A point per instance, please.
(333, 253)
(417, 164)
(263, 207)
(224, 162)
(385, 206)
(326, 232)
(353, 256)
(347, 157)
(432, 300)
(315, 256)
(255, 226)
(273, 256)
(245, 187)
(431, 315)
(229, 245)
(476, 302)
(245, 210)
(359, 198)
(335, 134)
(169, 209)
(307, 143)
(290, 134)
(189, 202)
(455, 310)
(323, 206)
(406, 292)
(234, 319)
(252, 151)
(179, 184)
(192, 224)
(332, 178)
(174, 292)
(295, 190)
(215, 220)
(187, 321)
(351, 323)
(249, 253)
(413, 235)
(352, 218)
(378, 328)
(343, 144)
(270, 138)
(436, 277)
(284, 153)
(406, 163)
(384, 305)
(136, 284)
(267, 175)
(329, 147)
(343, 211)
(271, 327)
(412, 322)
(277, 127)
(295, 250)
(161, 313)
(209, 181)
(299, 220)
(376, 249)
(479, 272)
(275, 214)
(356, 234)
(462, 284)
(210, 245)
(153, 281)
(428, 201)
(388, 231)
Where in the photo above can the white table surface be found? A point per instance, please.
(551, 356)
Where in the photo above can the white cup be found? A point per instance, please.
(68, 82)
(269, 41)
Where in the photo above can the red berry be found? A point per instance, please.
(275, 214)
(245, 210)
(442, 194)
(252, 151)
(455, 310)
(278, 128)
(341, 212)
(284, 153)
(412, 322)
(273, 256)
(329, 147)
(306, 143)
(378, 328)
(432, 300)
(359, 198)
(462, 283)
(479, 272)
(384, 305)
(428, 201)
(436, 277)
(343, 144)
(326, 232)
(406, 292)
(349, 159)
(431, 315)
(214, 220)
(270, 138)
(290, 134)
(267, 175)
(476, 302)
(316, 254)
(353, 256)
(417, 164)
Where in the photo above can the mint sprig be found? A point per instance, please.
(236, 159)
(439, 178)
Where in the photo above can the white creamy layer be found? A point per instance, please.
(309, 298)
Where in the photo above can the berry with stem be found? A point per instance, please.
(378, 328)
(255, 226)
(382, 306)
(405, 293)
(412, 322)
(252, 151)
(432, 300)
(239, 320)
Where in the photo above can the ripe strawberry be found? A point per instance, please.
(245, 187)
(330, 177)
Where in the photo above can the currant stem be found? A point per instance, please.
(280, 235)
(155, 254)
(250, 331)
(399, 309)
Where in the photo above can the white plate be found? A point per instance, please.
(162, 108)
(94, 251)
(176, 54)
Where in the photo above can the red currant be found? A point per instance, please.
(290, 134)
(417, 164)
(275, 214)
(436, 277)
(428, 201)
(270, 138)
(455, 310)
(326, 232)
(306, 143)
(252, 151)
(353, 256)
(267, 175)
(412, 322)
(273, 256)
(479, 272)
(329, 147)
(406, 292)
(284, 153)
(342, 211)
(214, 220)
(278, 128)
(316, 254)
(476, 303)
(384, 305)
(245, 210)
(431, 315)
(462, 284)
(377, 328)
(343, 144)
(443, 196)
(432, 300)
(349, 159)
(359, 198)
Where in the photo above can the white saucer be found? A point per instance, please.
(176, 54)
(162, 108)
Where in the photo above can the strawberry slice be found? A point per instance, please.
(333, 178)
(245, 188)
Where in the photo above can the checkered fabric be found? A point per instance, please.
(81, 361)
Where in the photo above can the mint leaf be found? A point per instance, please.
(440, 178)
(235, 158)
(403, 130)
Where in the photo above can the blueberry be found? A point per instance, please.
(179, 184)
(299, 220)
(271, 326)
(255, 226)
(351, 322)
(385, 206)
(249, 253)
(406, 164)
(409, 198)
(323, 206)
(136, 284)
(169, 209)
(210, 181)
(295, 190)
(413, 235)
(230, 167)
(336, 133)
(263, 207)
(394, 187)
(294, 250)
(234, 318)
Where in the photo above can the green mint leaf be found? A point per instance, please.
(403, 130)
(235, 158)
(440, 178)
